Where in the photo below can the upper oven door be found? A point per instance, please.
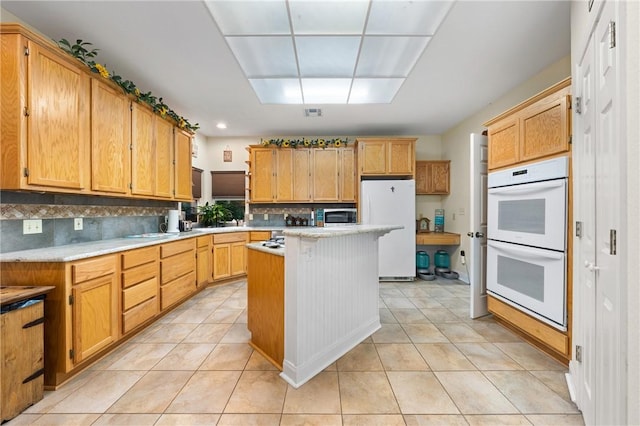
(532, 214)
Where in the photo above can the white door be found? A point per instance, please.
(477, 257)
(582, 365)
(610, 324)
(600, 329)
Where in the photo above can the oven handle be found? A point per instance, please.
(526, 188)
(524, 252)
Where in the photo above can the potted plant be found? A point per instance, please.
(213, 214)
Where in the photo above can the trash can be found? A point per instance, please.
(22, 328)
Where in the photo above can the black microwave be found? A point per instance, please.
(340, 217)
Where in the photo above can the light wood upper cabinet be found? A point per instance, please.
(263, 164)
(546, 127)
(348, 175)
(281, 175)
(386, 156)
(326, 174)
(65, 129)
(143, 151)
(110, 139)
(432, 177)
(182, 166)
(44, 117)
(94, 305)
(537, 128)
(164, 158)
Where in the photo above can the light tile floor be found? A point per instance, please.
(428, 364)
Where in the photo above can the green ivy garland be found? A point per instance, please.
(80, 50)
(307, 143)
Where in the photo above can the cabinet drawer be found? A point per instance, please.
(138, 274)
(139, 257)
(138, 315)
(259, 235)
(167, 250)
(177, 290)
(139, 293)
(233, 237)
(93, 268)
(176, 266)
(203, 241)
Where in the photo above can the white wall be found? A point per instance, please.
(455, 147)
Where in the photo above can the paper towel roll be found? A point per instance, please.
(174, 217)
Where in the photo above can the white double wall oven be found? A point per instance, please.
(526, 239)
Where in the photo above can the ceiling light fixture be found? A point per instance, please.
(327, 51)
(221, 125)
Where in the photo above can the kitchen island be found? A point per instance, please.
(312, 301)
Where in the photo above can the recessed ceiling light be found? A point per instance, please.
(221, 125)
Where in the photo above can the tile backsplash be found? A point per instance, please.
(103, 218)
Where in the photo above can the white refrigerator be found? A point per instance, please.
(392, 202)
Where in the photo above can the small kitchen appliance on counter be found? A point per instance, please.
(185, 225)
(172, 221)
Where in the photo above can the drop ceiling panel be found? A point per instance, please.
(325, 90)
(277, 90)
(389, 56)
(374, 90)
(250, 17)
(332, 17)
(264, 56)
(327, 56)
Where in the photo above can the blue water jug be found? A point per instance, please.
(422, 260)
(441, 259)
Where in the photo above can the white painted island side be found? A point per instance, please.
(330, 294)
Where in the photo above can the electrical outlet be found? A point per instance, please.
(77, 224)
(250, 216)
(32, 226)
(265, 216)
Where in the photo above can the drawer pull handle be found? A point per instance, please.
(33, 376)
(34, 323)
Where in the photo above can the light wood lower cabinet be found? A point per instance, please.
(229, 255)
(203, 261)
(265, 309)
(177, 271)
(94, 305)
(140, 287)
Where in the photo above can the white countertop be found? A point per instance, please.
(71, 252)
(338, 231)
(258, 246)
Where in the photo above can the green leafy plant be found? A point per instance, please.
(83, 51)
(306, 142)
(236, 210)
(213, 214)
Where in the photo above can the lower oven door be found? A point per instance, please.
(530, 279)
